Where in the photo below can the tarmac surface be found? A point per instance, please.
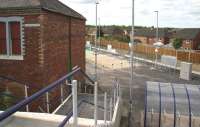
(111, 67)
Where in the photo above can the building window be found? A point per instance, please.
(188, 41)
(11, 38)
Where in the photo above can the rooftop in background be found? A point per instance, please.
(186, 33)
(150, 32)
(50, 5)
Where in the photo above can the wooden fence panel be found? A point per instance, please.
(193, 57)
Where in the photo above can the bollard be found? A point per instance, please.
(105, 107)
(26, 96)
(95, 104)
(74, 96)
(47, 102)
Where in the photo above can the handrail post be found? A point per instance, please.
(74, 96)
(61, 93)
(26, 96)
(114, 99)
(111, 109)
(117, 88)
(47, 102)
(152, 117)
(105, 107)
(95, 104)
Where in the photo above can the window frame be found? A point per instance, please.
(9, 55)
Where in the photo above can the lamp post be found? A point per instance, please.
(157, 26)
(156, 50)
(132, 43)
(99, 35)
(96, 3)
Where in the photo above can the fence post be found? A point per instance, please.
(61, 93)
(105, 107)
(74, 96)
(47, 102)
(189, 57)
(26, 96)
(95, 104)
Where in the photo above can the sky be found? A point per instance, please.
(172, 13)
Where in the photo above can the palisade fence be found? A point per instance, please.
(182, 55)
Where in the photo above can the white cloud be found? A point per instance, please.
(172, 13)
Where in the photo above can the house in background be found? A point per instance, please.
(40, 41)
(148, 35)
(190, 38)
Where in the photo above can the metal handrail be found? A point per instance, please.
(12, 79)
(28, 100)
(70, 114)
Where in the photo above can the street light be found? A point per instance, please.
(99, 34)
(131, 60)
(156, 50)
(96, 3)
(157, 26)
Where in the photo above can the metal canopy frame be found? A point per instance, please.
(178, 93)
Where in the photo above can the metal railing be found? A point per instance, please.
(108, 108)
(26, 87)
(41, 92)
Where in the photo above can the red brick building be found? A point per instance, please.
(40, 40)
(148, 35)
(190, 38)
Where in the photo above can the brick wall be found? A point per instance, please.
(27, 70)
(46, 51)
(58, 32)
(151, 40)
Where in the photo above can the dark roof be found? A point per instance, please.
(151, 32)
(50, 5)
(112, 30)
(186, 33)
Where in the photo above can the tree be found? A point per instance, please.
(177, 43)
(100, 32)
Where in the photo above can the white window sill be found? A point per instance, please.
(5, 57)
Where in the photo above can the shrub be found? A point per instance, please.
(177, 43)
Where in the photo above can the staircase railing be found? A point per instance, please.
(10, 111)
